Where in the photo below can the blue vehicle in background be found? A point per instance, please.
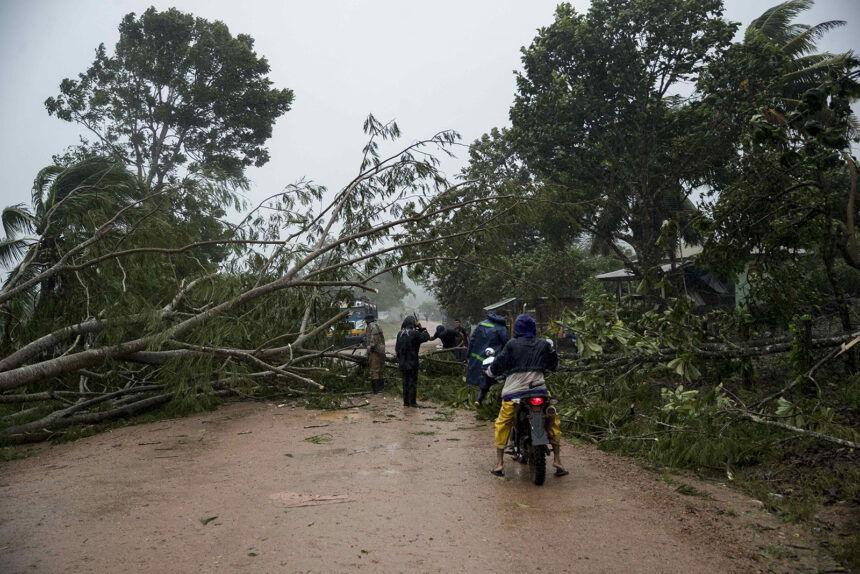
(352, 328)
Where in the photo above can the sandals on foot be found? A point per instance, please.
(497, 472)
(561, 472)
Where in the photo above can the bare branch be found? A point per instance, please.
(763, 421)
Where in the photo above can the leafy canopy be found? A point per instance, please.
(178, 92)
(598, 116)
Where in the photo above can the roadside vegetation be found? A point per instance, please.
(620, 164)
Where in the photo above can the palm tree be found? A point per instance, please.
(68, 204)
(798, 44)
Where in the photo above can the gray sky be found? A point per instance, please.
(446, 64)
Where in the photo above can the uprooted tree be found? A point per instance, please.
(129, 331)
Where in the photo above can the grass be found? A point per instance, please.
(690, 490)
(845, 546)
(319, 439)
(776, 552)
(446, 416)
(8, 453)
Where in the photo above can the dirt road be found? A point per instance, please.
(257, 488)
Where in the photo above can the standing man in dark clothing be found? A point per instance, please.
(409, 340)
(374, 340)
(491, 333)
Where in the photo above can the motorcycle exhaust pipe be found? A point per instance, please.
(549, 417)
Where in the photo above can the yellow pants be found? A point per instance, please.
(505, 421)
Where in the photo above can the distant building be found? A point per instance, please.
(545, 310)
(707, 291)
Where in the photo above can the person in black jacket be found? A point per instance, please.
(449, 337)
(523, 361)
(409, 340)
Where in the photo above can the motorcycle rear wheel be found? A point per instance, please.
(537, 464)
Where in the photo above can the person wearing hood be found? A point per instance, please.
(374, 341)
(409, 340)
(492, 333)
(523, 361)
(451, 338)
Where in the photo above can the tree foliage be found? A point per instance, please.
(178, 92)
(597, 116)
(256, 322)
(391, 291)
(524, 244)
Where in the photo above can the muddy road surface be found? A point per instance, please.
(255, 487)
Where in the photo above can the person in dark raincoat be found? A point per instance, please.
(449, 337)
(523, 361)
(490, 333)
(409, 340)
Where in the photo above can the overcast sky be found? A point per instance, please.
(446, 64)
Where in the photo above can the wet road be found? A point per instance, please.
(379, 488)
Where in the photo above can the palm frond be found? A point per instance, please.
(22, 305)
(853, 126)
(804, 42)
(806, 65)
(17, 219)
(775, 23)
(41, 185)
(11, 250)
(93, 174)
(88, 191)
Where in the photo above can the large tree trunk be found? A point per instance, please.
(842, 306)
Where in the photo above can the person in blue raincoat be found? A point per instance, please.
(491, 333)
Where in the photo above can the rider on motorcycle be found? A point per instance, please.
(523, 360)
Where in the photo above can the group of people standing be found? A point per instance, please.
(409, 339)
(522, 360)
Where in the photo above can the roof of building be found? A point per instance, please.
(499, 304)
(627, 274)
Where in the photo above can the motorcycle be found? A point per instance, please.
(529, 437)
(529, 440)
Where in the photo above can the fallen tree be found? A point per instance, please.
(259, 319)
(713, 351)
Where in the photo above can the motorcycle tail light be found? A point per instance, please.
(536, 401)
